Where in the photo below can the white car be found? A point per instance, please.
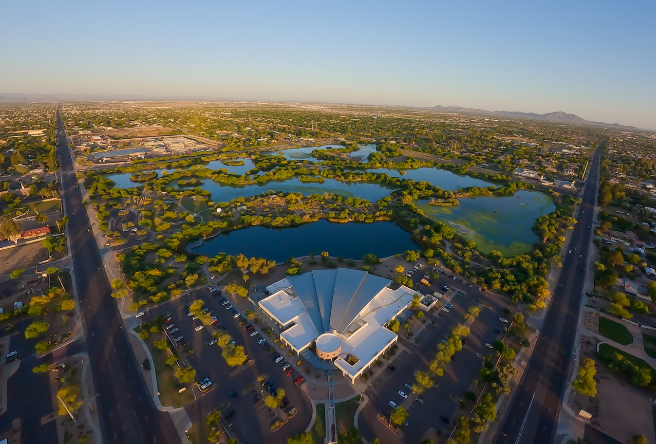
(488, 345)
(140, 314)
(402, 394)
(504, 320)
(445, 309)
(253, 333)
(199, 327)
(262, 341)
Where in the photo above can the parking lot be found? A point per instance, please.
(442, 398)
(242, 382)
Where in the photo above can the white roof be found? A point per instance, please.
(353, 304)
(283, 307)
(302, 334)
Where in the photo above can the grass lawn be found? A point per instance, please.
(345, 412)
(650, 345)
(605, 348)
(193, 206)
(167, 385)
(319, 427)
(46, 207)
(614, 331)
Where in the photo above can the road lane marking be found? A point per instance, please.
(519, 436)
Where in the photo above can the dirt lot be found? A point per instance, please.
(22, 257)
(619, 409)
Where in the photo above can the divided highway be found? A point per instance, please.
(534, 412)
(126, 409)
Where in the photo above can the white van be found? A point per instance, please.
(392, 404)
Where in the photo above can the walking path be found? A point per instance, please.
(331, 418)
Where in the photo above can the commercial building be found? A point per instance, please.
(130, 153)
(341, 314)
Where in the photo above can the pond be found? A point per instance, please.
(122, 180)
(350, 240)
(495, 223)
(436, 177)
(369, 191)
(305, 153)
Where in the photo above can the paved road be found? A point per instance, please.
(126, 409)
(534, 412)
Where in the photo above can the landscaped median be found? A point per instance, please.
(614, 331)
(170, 390)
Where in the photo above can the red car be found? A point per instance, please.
(298, 380)
(289, 371)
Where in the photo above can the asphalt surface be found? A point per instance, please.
(533, 414)
(442, 398)
(252, 421)
(126, 409)
(28, 395)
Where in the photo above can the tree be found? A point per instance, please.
(191, 279)
(462, 434)
(651, 290)
(118, 294)
(160, 344)
(223, 339)
(462, 331)
(68, 396)
(9, 229)
(639, 439)
(584, 382)
(213, 417)
(274, 401)
(398, 415)
(117, 284)
(185, 374)
(234, 356)
(615, 259)
(394, 325)
(43, 368)
(16, 273)
(36, 329)
(301, 438)
(171, 360)
(619, 311)
(399, 269)
(67, 305)
(51, 270)
(416, 299)
(424, 379)
(53, 243)
(42, 217)
(474, 311)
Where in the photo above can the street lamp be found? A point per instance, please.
(89, 404)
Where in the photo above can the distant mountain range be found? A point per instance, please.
(557, 116)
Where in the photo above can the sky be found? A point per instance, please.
(596, 59)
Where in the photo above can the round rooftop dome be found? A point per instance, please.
(328, 346)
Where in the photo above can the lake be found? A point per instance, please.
(436, 177)
(508, 230)
(350, 240)
(305, 153)
(369, 191)
(122, 180)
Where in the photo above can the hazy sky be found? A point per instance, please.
(596, 58)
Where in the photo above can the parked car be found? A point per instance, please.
(392, 404)
(289, 371)
(278, 359)
(488, 345)
(504, 320)
(12, 356)
(285, 366)
(140, 314)
(408, 386)
(205, 384)
(212, 342)
(262, 341)
(419, 401)
(257, 398)
(199, 327)
(391, 367)
(253, 333)
(403, 394)
(299, 380)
